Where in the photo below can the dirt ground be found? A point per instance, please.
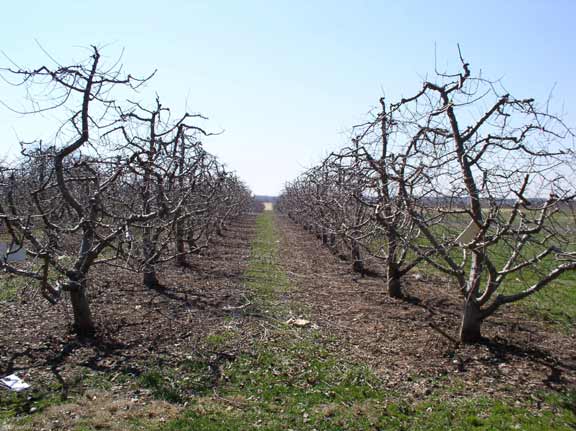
(411, 344)
(138, 328)
(407, 343)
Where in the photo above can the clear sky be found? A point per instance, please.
(286, 80)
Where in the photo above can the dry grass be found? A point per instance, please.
(101, 410)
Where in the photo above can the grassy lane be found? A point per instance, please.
(295, 378)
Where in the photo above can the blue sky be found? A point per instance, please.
(286, 80)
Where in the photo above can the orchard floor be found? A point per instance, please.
(158, 350)
(412, 343)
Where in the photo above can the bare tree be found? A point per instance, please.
(121, 185)
(66, 206)
(380, 154)
(461, 175)
(324, 201)
(498, 170)
(354, 195)
(161, 181)
(114, 177)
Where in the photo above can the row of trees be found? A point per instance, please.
(122, 184)
(460, 177)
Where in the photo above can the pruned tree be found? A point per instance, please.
(161, 181)
(499, 182)
(354, 195)
(120, 185)
(64, 208)
(381, 154)
(461, 175)
(323, 201)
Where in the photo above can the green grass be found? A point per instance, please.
(298, 379)
(555, 303)
(266, 280)
(16, 404)
(299, 385)
(178, 384)
(11, 286)
(219, 339)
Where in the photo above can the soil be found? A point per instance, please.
(410, 344)
(138, 328)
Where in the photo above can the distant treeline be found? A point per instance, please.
(263, 198)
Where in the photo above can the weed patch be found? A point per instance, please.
(178, 384)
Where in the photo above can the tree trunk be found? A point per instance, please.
(324, 237)
(332, 240)
(191, 241)
(180, 246)
(393, 275)
(357, 262)
(83, 323)
(471, 322)
(394, 283)
(150, 280)
(181, 260)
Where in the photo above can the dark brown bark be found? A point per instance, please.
(332, 240)
(181, 258)
(470, 329)
(357, 262)
(394, 282)
(150, 280)
(83, 323)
